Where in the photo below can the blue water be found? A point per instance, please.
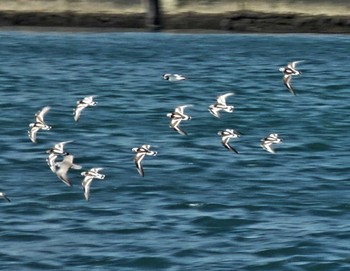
(199, 206)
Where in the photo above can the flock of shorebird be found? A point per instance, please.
(61, 168)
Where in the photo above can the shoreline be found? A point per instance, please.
(99, 30)
(229, 22)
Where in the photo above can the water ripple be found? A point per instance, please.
(199, 206)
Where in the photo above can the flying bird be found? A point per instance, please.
(177, 116)
(226, 135)
(220, 104)
(173, 77)
(4, 196)
(82, 104)
(89, 176)
(141, 152)
(54, 153)
(266, 143)
(288, 72)
(39, 124)
(64, 166)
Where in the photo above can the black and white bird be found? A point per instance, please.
(221, 105)
(226, 135)
(39, 124)
(177, 116)
(266, 143)
(141, 152)
(82, 104)
(4, 196)
(89, 176)
(173, 77)
(288, 72)
(54, 152)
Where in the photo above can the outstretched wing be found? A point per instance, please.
(225, 142)
(39, 117)
(222, 98)
(86, 186)
(175, 125)
(3, 195)
(138, 159)
(78, 109)
(59, 146)
(32, 133)
(268, 147)
(180, 109)
(51, 161)
(215, 111)
(294, 63)
(63, 170)
(287, 78)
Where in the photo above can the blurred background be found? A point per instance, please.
(235, 15)
(337, 7)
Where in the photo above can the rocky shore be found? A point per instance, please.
(240, 22)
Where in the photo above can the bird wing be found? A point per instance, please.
(287, 82)
(51, 161)
(272, 137)
(233, 133)
(78, 109)
(175, 125)
(146, 147)
(86, 186)
(32, 133)
(65, 166)
(229, 147)
(222, 98)
(74, 166)
(267, 146)
(39, 117)
(214, 111)
(89, 100)
(138, 159)
(59, 146)
(95, 171)
(180, 109)
(294, 63)
(225, 142)
(3, 195)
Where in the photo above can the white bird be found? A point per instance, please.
(226, 135)
(266, 143)
(89, 176)
(39, 124)
(173, 77)
(73, 166)
(140, 154)
(82, 104)
(64, 166)
(4, 196)
(220, 104)
(54, 153)
(288, 72)
(176, 117)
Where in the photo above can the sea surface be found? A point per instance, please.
(199, 206)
